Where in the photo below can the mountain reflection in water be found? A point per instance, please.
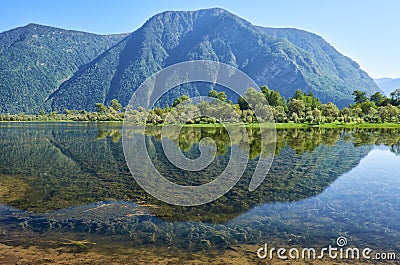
(73, 177)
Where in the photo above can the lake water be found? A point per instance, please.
(61, 182)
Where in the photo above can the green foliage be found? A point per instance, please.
(366, 106)
(273, 97)
(330, 110)
(218, 95)
(280, 114)
(379, 99)
(115, 105)
(104, 113)
(307, 109)
(311, 102)
(179, 100)
(395, 97)
(389, 113)
(297, 107)
(243, 105)
(101, 108)
(359, 97)
(298, 94)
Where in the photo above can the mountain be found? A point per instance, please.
(382, 80)
(283, 59)
(36, 59)
(47, 68)
(388, 85)
(337, 77)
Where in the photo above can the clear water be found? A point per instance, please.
(71, 179)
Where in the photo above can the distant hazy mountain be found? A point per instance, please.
(283, 59)
(388, 85)
(382, 80)
(35, 60)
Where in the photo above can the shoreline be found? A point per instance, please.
(290, 125)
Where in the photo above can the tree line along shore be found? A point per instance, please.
(301, 110)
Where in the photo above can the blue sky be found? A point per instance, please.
(365, 30)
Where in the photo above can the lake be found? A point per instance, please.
(67, 187)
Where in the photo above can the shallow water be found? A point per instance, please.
(69, 181)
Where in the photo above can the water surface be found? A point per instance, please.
(70, 181)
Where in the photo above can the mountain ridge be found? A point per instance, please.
(215, 34)
(387, 84)
(36, 59)
(283, 59)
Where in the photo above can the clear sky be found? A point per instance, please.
(367, 31)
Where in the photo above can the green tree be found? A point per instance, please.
(276, 99)
(248, 115)
(395, 97)
(213, 93)
(330, 110)
(218, 95)
(273, 97)
(317, 115)
(311, 102)
(296, 106)
(347, 114)
(116, 105)
(254, 98)
(372, 115)
(356, 112)
(265, 90)
(243, 105)
(383, 113)
(359, 97)
(179, 100)
(101, 108)
(366, 106)
(379, 99)
(279, 113)
(222, 96)
(393, 112)
(298, 94)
